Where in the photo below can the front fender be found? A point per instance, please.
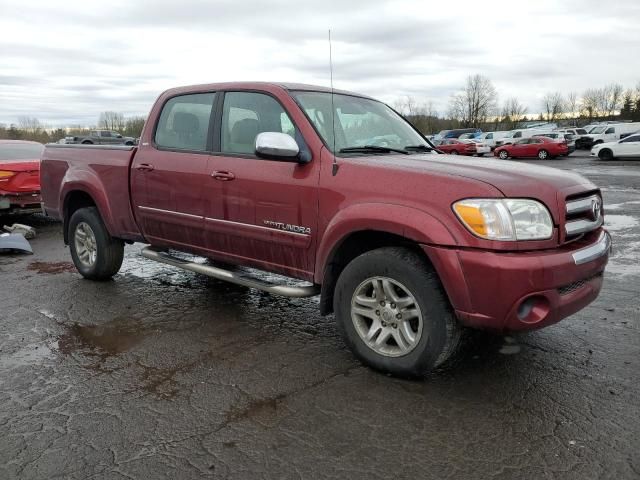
(408, 222)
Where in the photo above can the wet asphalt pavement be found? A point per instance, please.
(166, 374)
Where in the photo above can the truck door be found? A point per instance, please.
(260, 212)
(169, 174)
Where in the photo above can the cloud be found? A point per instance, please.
(66, 62)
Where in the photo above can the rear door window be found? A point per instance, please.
(184, 122)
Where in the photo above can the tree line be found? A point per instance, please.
(476, 105)
(31, 128)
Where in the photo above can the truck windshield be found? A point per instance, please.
(359, 122)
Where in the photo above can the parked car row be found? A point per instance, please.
(606, 133)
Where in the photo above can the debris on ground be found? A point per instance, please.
(11, 242)
(28, 232)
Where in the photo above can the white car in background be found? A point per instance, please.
(481, 146)
(628, 147)
(578, 132)
(520, 133)
(490, 138)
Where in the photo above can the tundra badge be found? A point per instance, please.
(287, 228)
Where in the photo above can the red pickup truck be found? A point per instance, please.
(337, 191)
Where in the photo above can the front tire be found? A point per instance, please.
(95, 253)
(454, 152)
(503, 154)
(394, 314)
(605, 154)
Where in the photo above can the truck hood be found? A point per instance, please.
(511, 178)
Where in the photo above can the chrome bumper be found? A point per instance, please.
(597, 250)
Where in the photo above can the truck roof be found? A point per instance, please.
(259, 86)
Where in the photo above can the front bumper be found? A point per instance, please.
(522, 290)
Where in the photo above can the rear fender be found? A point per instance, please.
(88, 182)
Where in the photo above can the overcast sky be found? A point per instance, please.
(65, 62)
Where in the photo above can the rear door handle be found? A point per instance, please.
(145, 167)
(223, 176)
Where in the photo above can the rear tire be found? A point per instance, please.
(605, 154)
(543, 154)
(454, 152)
(87, 142)
(95, 253)
(411, 337)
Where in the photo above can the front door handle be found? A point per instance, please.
(145, 167)
(223, 176)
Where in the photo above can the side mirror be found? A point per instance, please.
(119, 136)
(278, 146)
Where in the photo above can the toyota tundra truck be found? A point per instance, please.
(343, 198)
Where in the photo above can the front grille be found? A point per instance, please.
(583, 215)
(572, 287)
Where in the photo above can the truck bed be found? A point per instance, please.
(91, 169)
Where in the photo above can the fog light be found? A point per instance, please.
(533, 309)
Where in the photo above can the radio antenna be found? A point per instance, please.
(333, 110)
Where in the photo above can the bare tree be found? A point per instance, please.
(591, 103)
(554, 106)
(111, 121)
(475, 103)
(30, 125)
(513, 112)
(572, 105)
(614, 95)
(133, 126)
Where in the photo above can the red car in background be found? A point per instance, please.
(20, 176)
(540, 147)
(453, 146)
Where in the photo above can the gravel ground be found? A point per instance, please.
(166, 374)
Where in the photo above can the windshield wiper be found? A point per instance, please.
(420, 148)
(373, 148)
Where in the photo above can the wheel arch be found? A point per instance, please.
(75, 199)
(391, 226)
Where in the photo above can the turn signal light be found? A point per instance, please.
(6, 174)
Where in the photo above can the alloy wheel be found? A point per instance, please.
(386, 316)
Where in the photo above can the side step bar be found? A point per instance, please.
(221, 274)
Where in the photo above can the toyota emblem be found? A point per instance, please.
(595, 208)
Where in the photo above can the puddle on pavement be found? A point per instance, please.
(615, 223)
(117, 336)
(51, 267)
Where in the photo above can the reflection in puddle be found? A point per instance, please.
(113, 338)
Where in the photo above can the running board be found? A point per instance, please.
(226, 275)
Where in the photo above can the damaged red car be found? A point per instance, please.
(20, 176)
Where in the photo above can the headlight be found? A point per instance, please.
(505, 219)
